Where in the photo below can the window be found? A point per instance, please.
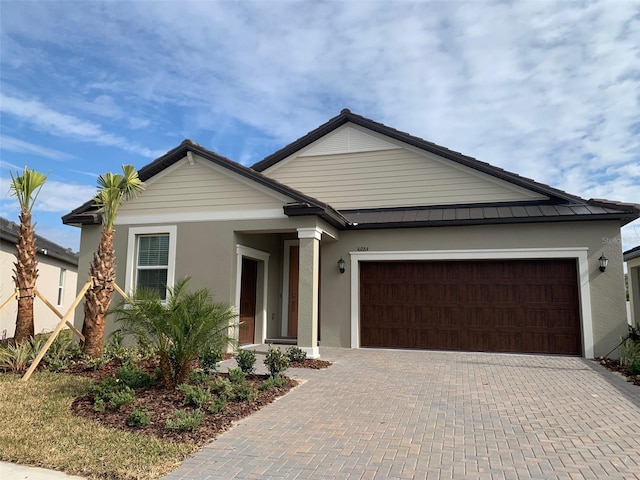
(151, 255)
(63, 271)
(153, 263)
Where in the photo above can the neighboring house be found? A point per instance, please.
(57, 280)
(632, 257)
(440, 250)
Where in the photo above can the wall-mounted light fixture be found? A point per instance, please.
(604, 261)
(341, 265)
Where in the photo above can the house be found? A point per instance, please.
(632, 257)
(359, 235)
(57, 279)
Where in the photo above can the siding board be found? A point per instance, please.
(392, 178)
(200, 188)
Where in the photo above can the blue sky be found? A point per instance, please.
(549, 90)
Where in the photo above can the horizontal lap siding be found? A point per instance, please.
(511, 306)
(199, 188)
(391, 178)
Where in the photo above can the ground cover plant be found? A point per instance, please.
(628, 361)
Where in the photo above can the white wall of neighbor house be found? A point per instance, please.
(60, 292)
(606, 289)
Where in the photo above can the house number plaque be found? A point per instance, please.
(363, 249)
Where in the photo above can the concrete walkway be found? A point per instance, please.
(436, 415)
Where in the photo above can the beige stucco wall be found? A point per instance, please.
(45, 320)
(633, 271)
(606, 289)
(206, 251)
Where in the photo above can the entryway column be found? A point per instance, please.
(308, 290)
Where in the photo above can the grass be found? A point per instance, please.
(37, 428)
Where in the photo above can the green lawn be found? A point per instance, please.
(37, 428)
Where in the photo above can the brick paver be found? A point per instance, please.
(436, 415)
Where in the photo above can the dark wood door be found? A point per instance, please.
(529, 306)
(248, 290)
(294, 269)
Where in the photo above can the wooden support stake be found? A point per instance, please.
(57, 312)
(121, 292)
(13, 297)
(55, 333)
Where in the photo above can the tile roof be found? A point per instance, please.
(631, 254)
(9, 233)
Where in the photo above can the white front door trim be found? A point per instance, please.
(579, 253)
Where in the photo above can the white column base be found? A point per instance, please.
(312, 352)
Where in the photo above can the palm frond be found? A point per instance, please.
(26, 187)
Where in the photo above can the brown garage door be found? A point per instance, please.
(528, 306)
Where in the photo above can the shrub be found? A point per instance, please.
(199, 377)
(219, 405)
(95, 363)
(195, 396)
(115, 348)
(133, 377)
(16, 358)
(61, 352)
(221, 386)
(276, 361)
(296, 354)
(182, 329)
(242, 392)
(138, 418)
(246, 360)
(112, 393)
(629, 352)
(184, 420)
(210, 358)
(271, 382)
(237, 376)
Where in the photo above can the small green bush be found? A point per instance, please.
(95, 363)
(116, 349)
(246, 360)
(237, 376)
(209, 359)
(242, 392)
(133, 376)
(272, 382)
(138, 418)
(126, 396)
(219, 405)
(16, 358)
(112, 393)
(199, 377)
(195, 396)
(184, 420)
(629, 352)
(221, 386)
(61, 352)
(296, 354)
(276, 361)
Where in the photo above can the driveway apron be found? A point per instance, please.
(444, 415)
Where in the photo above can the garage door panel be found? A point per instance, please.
(503, 306)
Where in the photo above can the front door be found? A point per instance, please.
(248, 288)
(294, 269)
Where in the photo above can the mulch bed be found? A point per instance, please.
(614, 365)
(159, 403)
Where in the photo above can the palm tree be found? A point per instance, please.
(181, 330)
(26, 188)
(113, 189)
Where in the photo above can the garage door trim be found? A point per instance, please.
(579, 253)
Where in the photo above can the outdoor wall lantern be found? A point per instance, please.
(341, 265)
(604, 261)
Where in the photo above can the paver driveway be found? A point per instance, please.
(416, 414)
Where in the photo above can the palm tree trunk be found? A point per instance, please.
(25, 275)
(98, 297)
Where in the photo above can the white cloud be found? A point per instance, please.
(60, 124)
(17, 145)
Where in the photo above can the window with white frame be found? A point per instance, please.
(151, 256)
(63, 272)
(153, 263)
